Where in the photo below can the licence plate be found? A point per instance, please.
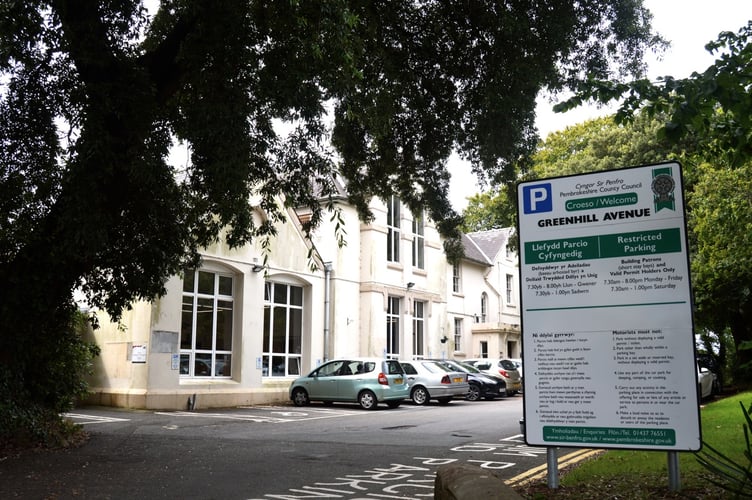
(398, 380)
(459, 380)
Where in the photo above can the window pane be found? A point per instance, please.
(280, 294)
(224, 325)
(296, 296)
(278, 366)
(296, 331)
(204, 323)
(185, 367)
(206, 282)
(202, 365)
(293, 366)
(279, 330)
(225, 285)
(186, 323)
(188, 281)
(267, 326)
(223, 365)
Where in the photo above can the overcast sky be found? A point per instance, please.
(687, 24)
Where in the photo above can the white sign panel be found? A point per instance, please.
(607, 327)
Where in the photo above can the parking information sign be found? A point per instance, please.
(608, 338)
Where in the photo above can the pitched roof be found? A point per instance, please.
(484, 246)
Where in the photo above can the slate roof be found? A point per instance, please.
(484, 246)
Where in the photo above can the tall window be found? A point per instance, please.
(483, 307)
(510, 289)
(457, 334)
(283, 329)
(392, 328)
(419, 240)
(206, 325)
(455, 278)
(393, 229)
(419, 325)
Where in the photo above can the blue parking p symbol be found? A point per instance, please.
(537, 198)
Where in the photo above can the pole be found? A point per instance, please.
(553, 467)
(674, 478)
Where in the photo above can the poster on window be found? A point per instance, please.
(608, 340)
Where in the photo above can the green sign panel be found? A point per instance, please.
(602, 247)
(610, 435)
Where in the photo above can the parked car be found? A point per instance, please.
(503, 367)
(433, 380)
(707, 383)
(712, 363)
(482, 385)
(366, 381)
(518, 363)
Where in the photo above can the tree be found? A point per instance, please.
(593, 145)
(92, 95)
(721, 223)
(491, 209)
(713, 109)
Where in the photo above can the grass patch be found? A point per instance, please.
(637, 474)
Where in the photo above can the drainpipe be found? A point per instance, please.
(327, 319)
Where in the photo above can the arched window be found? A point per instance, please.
(283, 329)
(483, 307)
(206, 328)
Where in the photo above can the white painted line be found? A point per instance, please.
(93, 419)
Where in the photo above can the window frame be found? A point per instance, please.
(392, 350)
(458, 327)
(510, 288)
(456, 278)
(419, 241)
(393, 219)
(293, 311)
(219, 299)
(419, 327)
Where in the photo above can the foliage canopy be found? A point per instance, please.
(93, 94)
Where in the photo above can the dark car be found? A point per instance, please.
(500, 367)
(482, 385)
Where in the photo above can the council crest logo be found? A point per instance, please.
(663, 186)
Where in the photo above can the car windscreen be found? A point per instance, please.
(468, 368)
(507, 364)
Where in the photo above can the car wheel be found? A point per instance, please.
(473, 394)
(300, 397)
(445, 401)
(393, 404)
(420, 396)
(367, 400)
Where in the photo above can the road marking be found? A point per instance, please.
(267, 415)
(541, 471)
(93, 419)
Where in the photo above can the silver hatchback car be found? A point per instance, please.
(366, 381)
(433, 380)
